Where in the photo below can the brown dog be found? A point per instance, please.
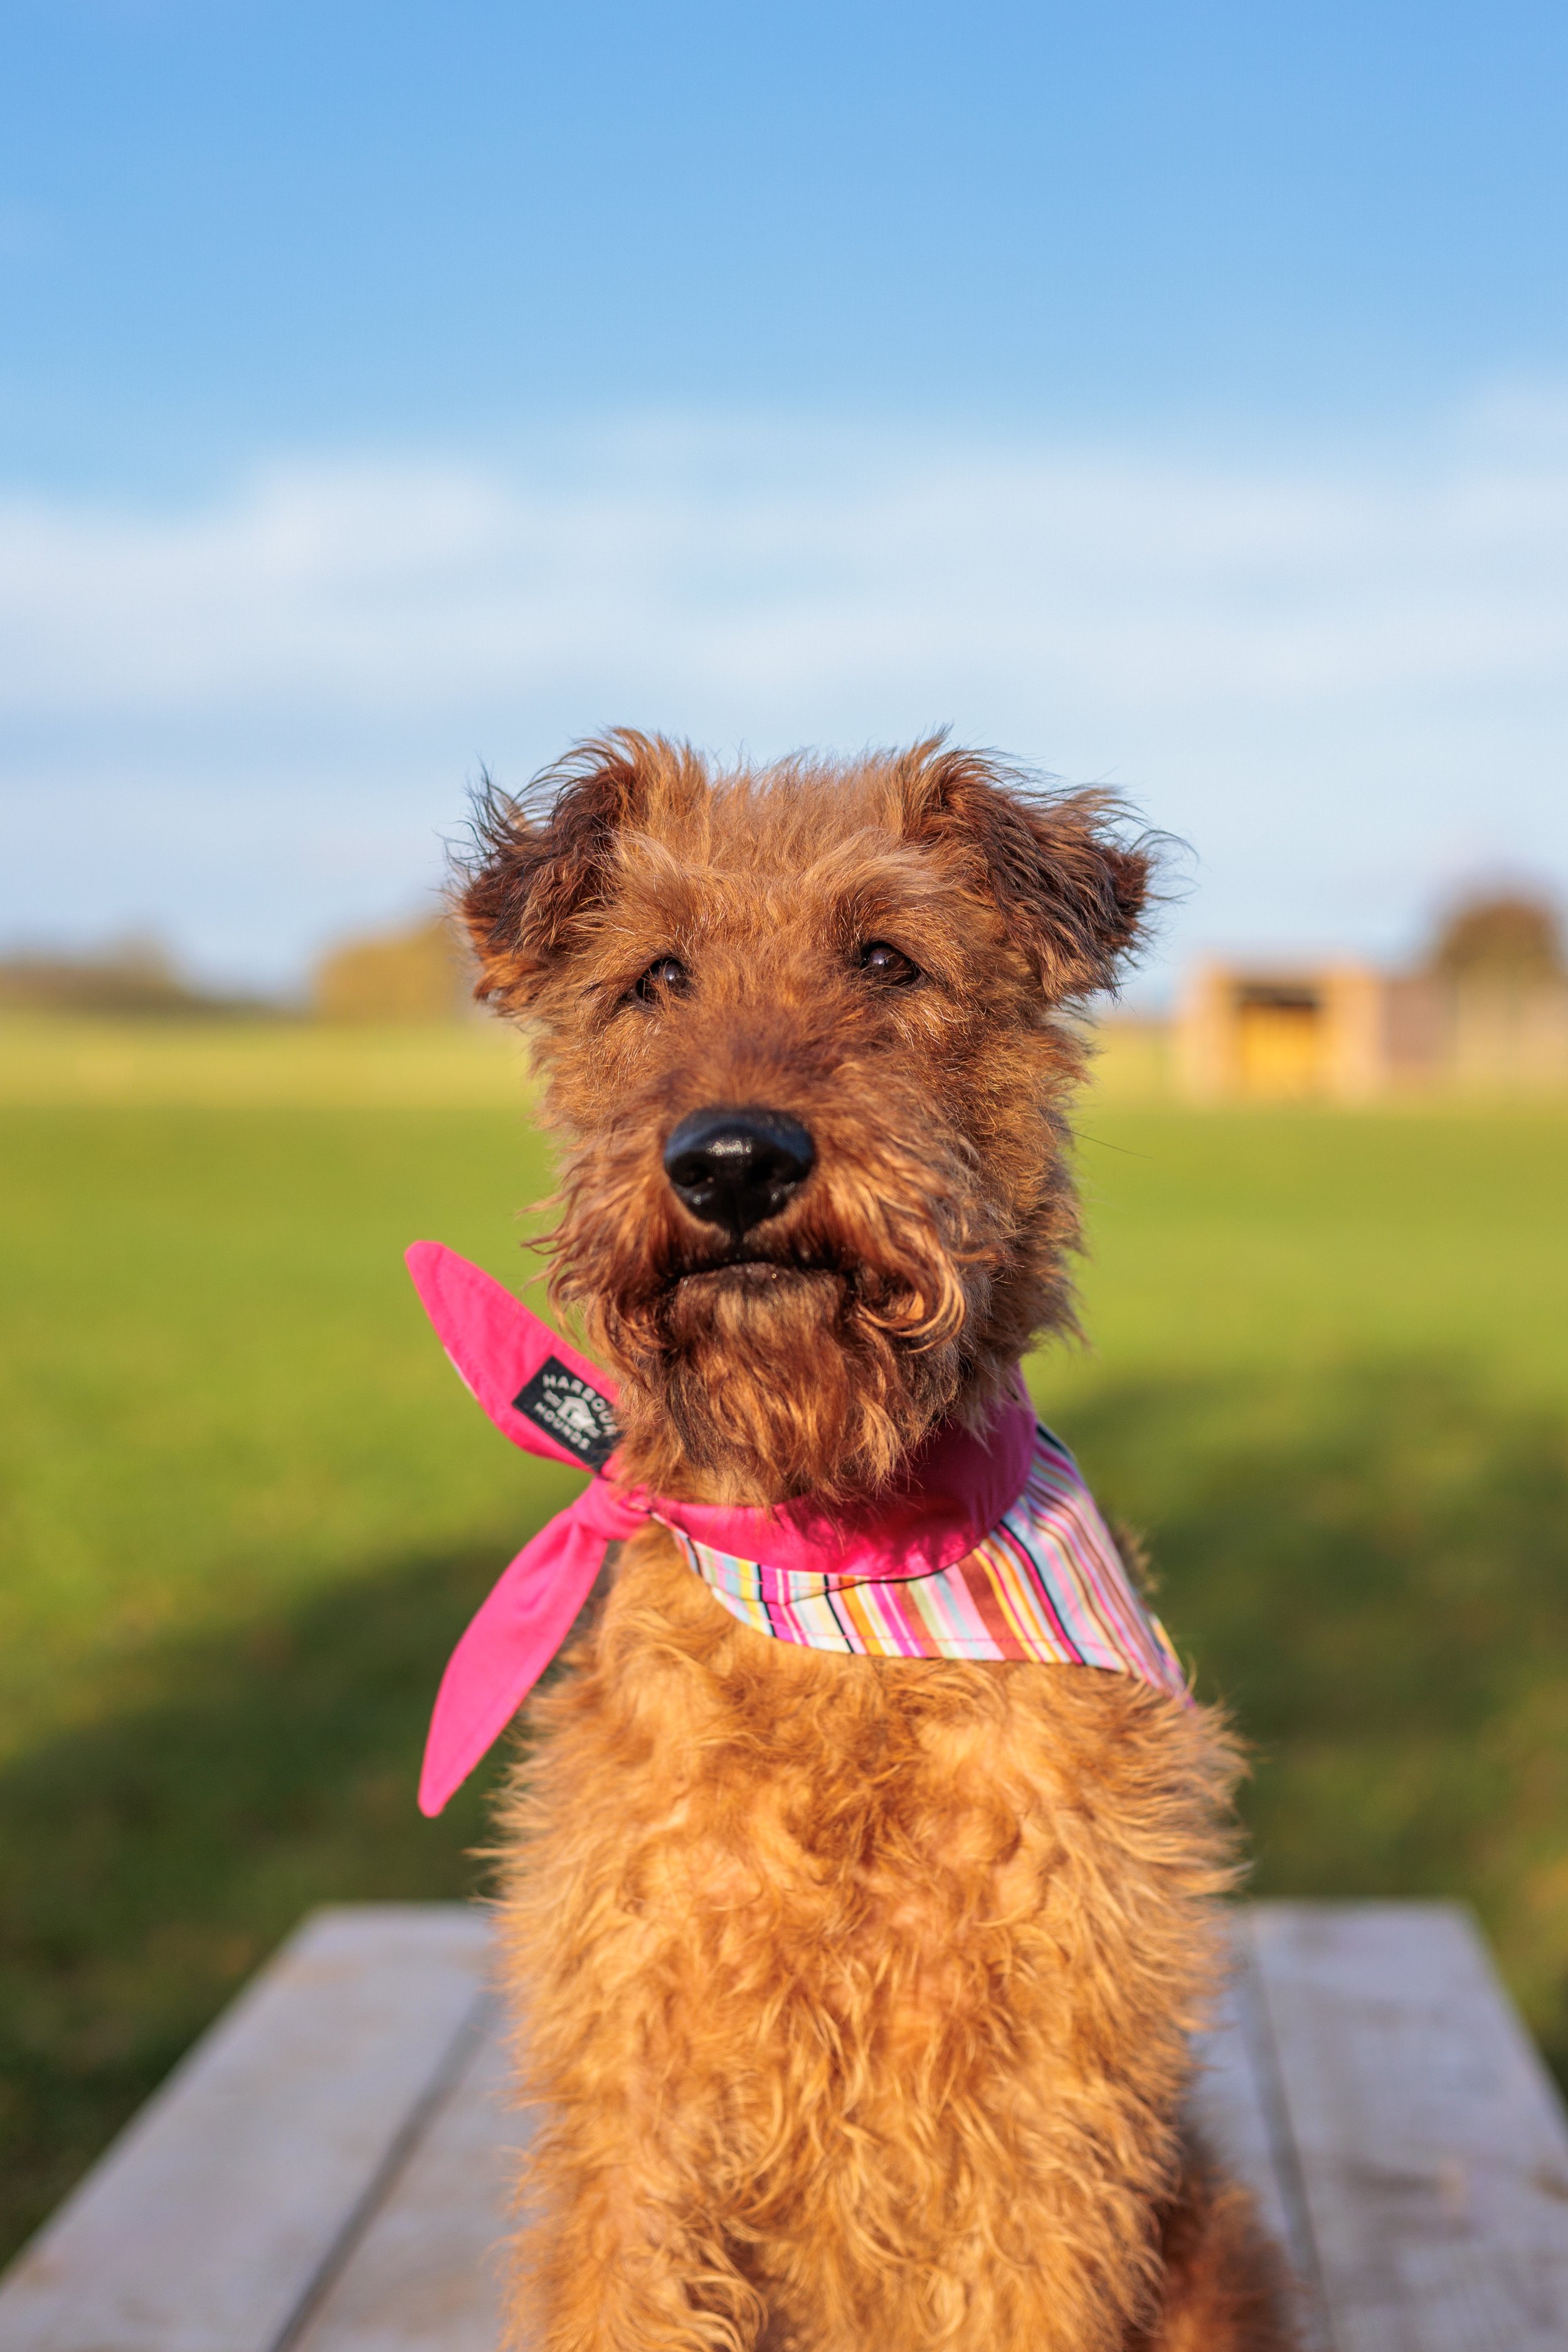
(857, 1989)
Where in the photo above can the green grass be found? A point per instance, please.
(245, 1509)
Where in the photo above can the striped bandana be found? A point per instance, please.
(984, 1546)
(1046, 1583)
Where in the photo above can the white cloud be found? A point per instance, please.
(1345, 680)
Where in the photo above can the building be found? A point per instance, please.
(1487, 1010)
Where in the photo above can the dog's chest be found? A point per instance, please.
(924, 1819)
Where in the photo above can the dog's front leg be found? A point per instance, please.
(622, 2257)
(615, 1885)
(1226, 2287)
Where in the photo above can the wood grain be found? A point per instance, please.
(428, 2270)
(1236, 2105)
(216, 2215)
(329, 2170)
(1431, 2146)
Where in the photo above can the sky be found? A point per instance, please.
(1169, 397)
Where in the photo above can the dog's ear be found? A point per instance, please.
(1069, 889)
(541, 863)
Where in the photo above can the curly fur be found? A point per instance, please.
(855, 1992)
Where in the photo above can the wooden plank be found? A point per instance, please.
(329, 2172)
(1431, 2147)
(428, 2270)
(221, 2209)
(1236, 2105)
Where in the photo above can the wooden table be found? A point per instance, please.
(327, 2171)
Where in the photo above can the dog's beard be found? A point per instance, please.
(809, 1364)
(797, 1382)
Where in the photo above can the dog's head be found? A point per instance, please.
(798, 1036)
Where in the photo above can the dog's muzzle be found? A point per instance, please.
(737, 1167)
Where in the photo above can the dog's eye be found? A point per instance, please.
(888, 964)
(666, 976)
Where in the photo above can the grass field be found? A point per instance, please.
(246, 1508)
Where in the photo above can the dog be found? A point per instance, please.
(855, 1990)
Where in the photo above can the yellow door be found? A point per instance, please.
(1279, 1048)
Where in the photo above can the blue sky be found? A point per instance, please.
(1176, 395)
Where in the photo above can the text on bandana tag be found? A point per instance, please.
(573, 1413)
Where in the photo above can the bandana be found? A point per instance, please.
(984, 1547)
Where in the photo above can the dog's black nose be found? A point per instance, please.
(736, 1167)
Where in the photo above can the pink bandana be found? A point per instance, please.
(984, 1548)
